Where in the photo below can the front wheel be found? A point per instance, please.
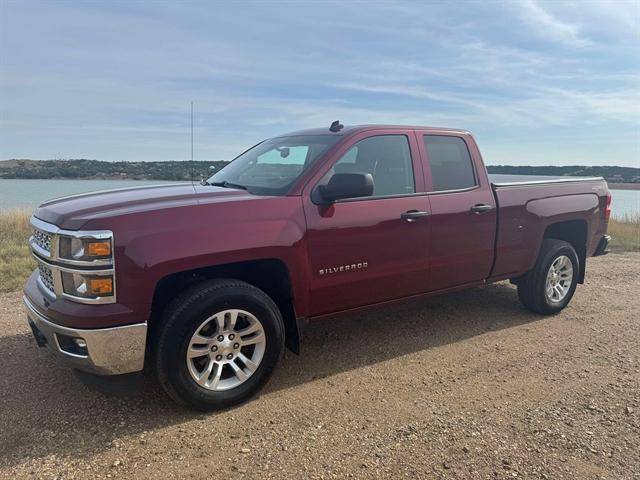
(219, 343)
(549, 287)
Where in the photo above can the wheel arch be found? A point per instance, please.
(574, 232)
(270, 275)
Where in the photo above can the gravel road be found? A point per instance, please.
(467, 385)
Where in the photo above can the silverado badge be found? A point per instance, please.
(343, 268)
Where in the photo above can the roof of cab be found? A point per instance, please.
(351, 129)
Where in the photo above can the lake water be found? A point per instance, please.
(30, 193)
(625, 202)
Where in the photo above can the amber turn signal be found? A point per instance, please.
(100, 286)
(98, 249)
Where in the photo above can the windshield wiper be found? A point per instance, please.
(225, 184)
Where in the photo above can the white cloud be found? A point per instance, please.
(114, 85)
(546, 26)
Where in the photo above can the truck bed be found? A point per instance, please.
(529, 204)
(499, 180)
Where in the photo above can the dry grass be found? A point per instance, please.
(16, 263)
(625, 233)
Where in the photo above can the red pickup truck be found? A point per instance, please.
(207, 283)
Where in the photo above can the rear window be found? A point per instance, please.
(450, 163)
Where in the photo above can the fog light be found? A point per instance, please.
(72, 345)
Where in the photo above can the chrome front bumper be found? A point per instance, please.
(104, 351)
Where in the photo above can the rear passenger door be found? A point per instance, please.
(463, 213)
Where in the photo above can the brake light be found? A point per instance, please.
(607, 211)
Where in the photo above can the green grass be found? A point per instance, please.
(16, 263)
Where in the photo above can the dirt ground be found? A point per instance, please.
(466, 385)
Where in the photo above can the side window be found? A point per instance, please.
(450, 162)
(387, 158)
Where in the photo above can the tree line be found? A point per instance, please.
(186, 170)
(95, 169)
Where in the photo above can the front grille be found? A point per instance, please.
(42, 239)
(46, 277)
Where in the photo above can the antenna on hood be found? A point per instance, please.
(191, 170)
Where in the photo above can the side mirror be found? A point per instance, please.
(346, 185)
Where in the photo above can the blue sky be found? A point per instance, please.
(537, 82)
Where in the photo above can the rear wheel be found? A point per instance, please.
(549, 287)
(219, 343)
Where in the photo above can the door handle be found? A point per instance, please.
(413, 215)
(481, 208)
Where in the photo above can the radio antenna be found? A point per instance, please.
(192, 166)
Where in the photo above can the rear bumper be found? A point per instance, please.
(603, 246)
(103, 351)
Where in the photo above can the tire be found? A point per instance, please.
(199, 310)
(532, 288)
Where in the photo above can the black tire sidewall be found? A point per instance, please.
(181, 324)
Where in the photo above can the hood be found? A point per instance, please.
(74, 211)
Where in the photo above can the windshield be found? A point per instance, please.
(271, 167)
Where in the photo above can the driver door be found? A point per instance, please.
(367, 250)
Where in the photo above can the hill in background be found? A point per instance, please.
(610, 173)
(95, 169)
(183, 170)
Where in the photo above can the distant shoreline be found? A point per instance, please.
(114, 178)
(624, 186)
(612, 185)
(619, 178)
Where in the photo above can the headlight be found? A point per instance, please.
(87, 285)
(85, 249)
(77, 264)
